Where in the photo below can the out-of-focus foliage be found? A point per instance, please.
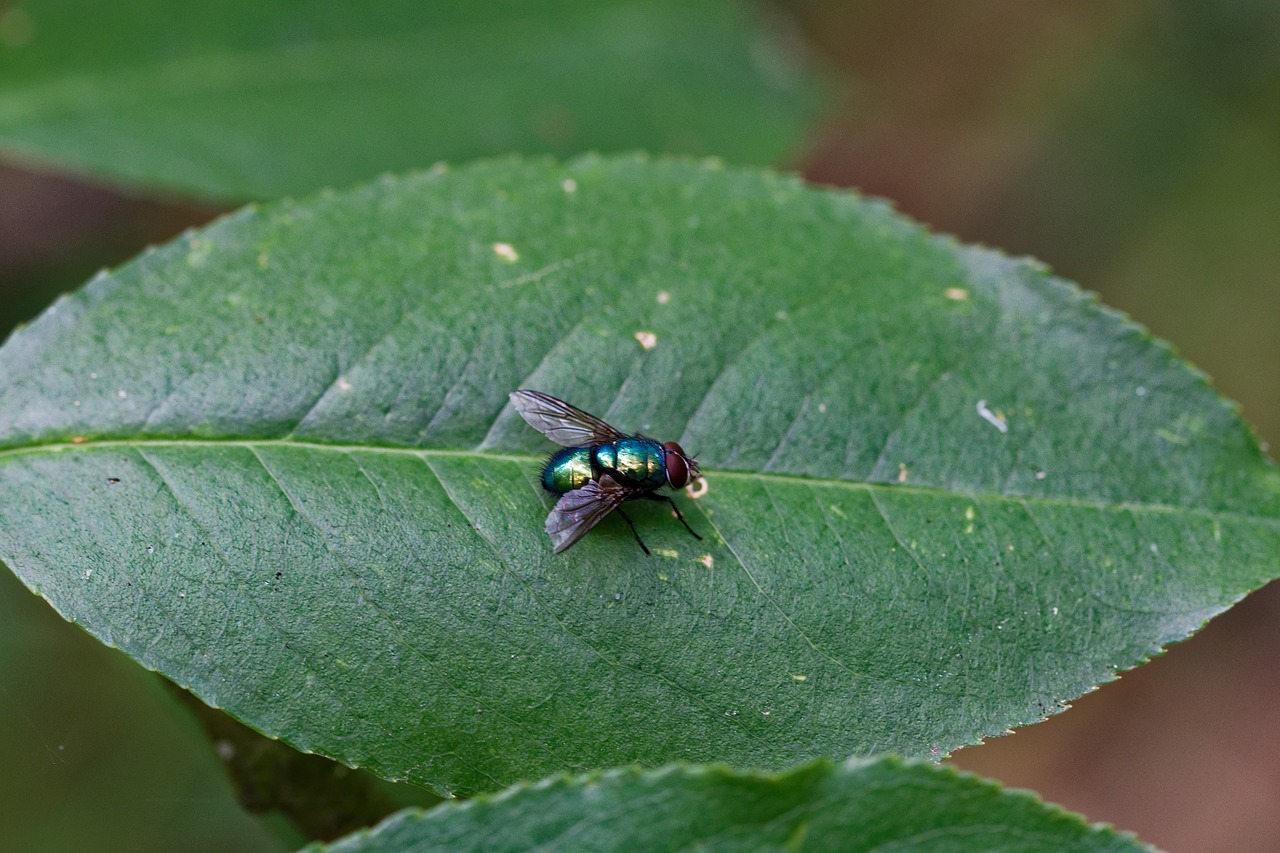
(238, 100)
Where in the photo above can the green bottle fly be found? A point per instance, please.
(599, 467)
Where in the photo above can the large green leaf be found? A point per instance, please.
(947, 493)
(241, 99)
(876, 806)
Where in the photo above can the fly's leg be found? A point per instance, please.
(667, 499)
(639, 541)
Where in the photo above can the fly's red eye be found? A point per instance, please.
(677, 467)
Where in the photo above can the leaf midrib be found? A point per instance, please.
(53, 448)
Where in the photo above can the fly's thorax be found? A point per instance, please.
(633, 461)
(568, 469)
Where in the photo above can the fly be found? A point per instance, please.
(598, 468)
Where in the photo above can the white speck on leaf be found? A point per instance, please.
(506, 251)
(648, 340)
(343, 384)
(697, 488)
(1140, 391)
(799, 678)
(707, 560)
(569, 185)
(1040, 475)
(902, 472)
(663, 297)
(991, 417)
(198, 252)
(122, 393)
(958, 294)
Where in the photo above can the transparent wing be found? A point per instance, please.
(582, 509)
(566, 425)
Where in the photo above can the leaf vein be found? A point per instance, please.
(391, 623)
(955, 365)
(729, 473)
(533, 596)
(340, 371)
(308, 664)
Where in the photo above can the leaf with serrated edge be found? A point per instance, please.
(948, 493)
(874, 806)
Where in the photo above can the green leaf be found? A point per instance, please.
(236, 100)
(948, 493)
(880, 805)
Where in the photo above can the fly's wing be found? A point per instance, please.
(582, 509)
(566, 425)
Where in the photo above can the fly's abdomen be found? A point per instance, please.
(634, 462)
(569, 469)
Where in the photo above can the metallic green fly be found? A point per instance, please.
(599, 467)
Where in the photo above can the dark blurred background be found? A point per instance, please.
(1134, 146)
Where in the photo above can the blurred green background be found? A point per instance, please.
(1133, 146)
